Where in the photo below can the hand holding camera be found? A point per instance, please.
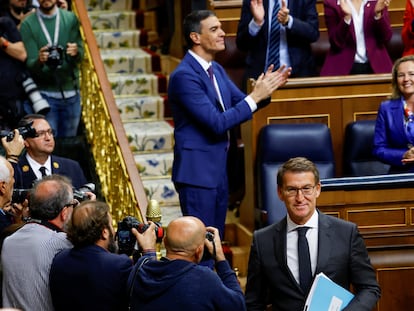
(213, 244)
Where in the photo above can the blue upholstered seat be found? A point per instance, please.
(358, 143)
(278, 143)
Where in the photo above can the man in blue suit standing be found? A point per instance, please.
(38, 157)
(205, 106)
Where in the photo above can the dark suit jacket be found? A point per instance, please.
(24, 175)
(342, 256)
(200, 125)
(89, 278)
(305, 30)
(390, 138)
(377, 33)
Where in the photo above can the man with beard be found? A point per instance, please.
(90, 276)
(27, 254)
(17, 10)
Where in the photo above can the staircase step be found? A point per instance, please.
(128, 60)
(132, 107)
(100, 5)
(169, 213)
(162, 190)
(134, 84)
(112, 20)
(154, 164)
(149, 135)
(111, 38)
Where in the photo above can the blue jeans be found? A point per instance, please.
(64, 114)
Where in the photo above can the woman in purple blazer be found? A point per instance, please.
(393, 140)
(358, 37)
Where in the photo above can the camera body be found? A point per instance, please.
(19, 195)
(207, 255)
(126, 239)
(26, 132)
(81, 193)
(55, 58)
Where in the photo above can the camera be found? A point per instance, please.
(26, 131)
(39, 104)
(207, 255)
(81, 193)
(55, 58)
(19, 195)
(126, 239)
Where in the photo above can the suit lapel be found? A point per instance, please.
(324, 243)
(281, 250)
(397, 115)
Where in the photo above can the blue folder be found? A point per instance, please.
(326, 295)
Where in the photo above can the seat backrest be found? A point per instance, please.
(277, 143)
(357, 156)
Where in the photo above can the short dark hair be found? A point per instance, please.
(48, 207)
(29, 118)
(192, 23)
(297, 165)
(87, 222)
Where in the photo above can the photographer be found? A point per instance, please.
(54, 52)
(90, 276)
(12, 58)
(39, 160)
(178, 282)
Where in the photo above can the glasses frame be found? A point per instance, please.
(73, 204)
(306, 191)
(50, 132)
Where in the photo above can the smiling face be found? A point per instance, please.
(300, 207)
(405, 78)
(210, 40)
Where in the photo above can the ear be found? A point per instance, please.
(195, 37)
(198, 254)
(105, 234)
(2, 187)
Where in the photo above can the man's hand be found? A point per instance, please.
(269, 82)
(147, 239)
(217, 242)
(283, 14)
(14, 147)
(72, 49)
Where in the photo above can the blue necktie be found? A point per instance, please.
(305, 269)
(274, 38)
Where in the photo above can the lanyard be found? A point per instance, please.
(44, 29)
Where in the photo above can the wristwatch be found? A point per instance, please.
(4, 43)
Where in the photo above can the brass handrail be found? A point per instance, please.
(121, 184)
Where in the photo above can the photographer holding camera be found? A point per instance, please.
(39, 156)
(54, 52)
(91, 276)
(178, 282)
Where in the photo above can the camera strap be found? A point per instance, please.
(44, 29)
(44, 223)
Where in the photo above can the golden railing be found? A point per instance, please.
(115, 166)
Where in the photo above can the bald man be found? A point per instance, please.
(178, 282)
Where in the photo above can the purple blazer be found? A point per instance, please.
(341, 54)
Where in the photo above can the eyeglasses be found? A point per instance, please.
(73, 204)
(50, 132)
(306, 191)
